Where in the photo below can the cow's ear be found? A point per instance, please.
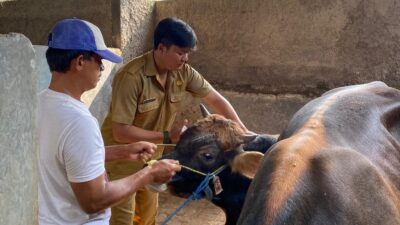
(247, 163)
(246, 138)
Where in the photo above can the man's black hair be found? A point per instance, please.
(59, 60)
(173, 31)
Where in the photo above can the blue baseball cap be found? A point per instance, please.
(76, 34)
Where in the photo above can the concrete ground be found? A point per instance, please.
(199, 212)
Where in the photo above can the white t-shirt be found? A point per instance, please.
(71, 149)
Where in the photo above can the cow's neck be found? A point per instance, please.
(231, 199)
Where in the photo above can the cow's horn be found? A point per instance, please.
(204, 111)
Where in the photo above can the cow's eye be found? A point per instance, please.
(207, 156)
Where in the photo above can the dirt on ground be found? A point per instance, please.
(200, 212)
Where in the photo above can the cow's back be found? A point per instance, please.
(338, 162)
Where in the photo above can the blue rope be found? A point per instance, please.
(195, 196)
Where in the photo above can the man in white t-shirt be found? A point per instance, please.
(73, 185)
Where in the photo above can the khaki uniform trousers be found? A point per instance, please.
(141, 207)
(138, 209)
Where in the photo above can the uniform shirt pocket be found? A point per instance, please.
(175, 101)
(148, 106)
(176, 98)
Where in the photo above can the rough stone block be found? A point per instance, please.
(18, 144)
(291, 47)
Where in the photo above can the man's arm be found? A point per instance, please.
(98, 194)
(222, 106)
(135, 151)
(124, 133)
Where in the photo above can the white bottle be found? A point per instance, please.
(155, 187)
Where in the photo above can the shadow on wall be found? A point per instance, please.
(101, 101)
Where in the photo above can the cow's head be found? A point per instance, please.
(206, 146)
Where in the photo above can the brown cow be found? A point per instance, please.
(213, 143)
(338, 162)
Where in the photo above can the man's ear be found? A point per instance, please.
(161, 47)
(247, 163)
(77, 63)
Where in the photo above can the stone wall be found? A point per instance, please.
(298, 47)
(137, 24)
(35, 19)
(260, 52)
(18, 142)
(125, 24)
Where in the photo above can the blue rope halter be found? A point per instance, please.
(196, 195)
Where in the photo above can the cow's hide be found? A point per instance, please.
(337, 163)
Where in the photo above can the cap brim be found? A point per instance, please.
(108, 55)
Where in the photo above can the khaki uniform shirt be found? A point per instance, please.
(138, 99)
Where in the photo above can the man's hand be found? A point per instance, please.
(141, 150)
(96, 195)
(176, 132)
(163, 170)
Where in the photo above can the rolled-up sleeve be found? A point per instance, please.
(197, 85)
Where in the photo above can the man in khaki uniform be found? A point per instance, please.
(146, 96)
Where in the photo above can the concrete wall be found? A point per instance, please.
(257, 51)
(35, 19)
(285, 46)
(125, 24)
(137, 24)
(261, 51)
(18, 143)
